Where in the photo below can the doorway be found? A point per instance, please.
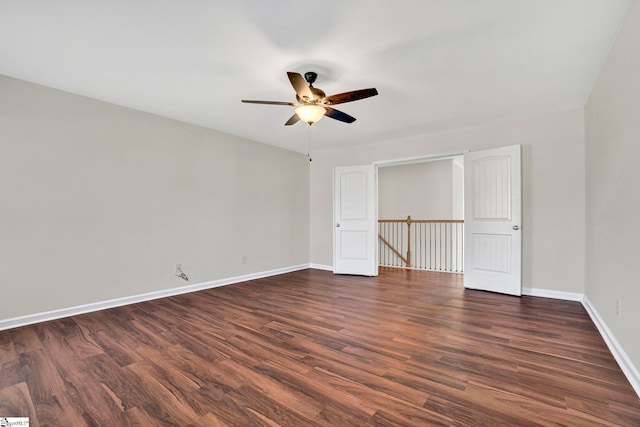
(492, 211)
(421, 214)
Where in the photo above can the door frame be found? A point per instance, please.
(418, 159)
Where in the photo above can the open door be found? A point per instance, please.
(492, 216)
(355, 221)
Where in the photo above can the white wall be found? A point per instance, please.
(457, 188)
(422, 190)
(612, 118)
(553, 189)
(100, 202)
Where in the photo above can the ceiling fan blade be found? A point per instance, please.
(250, 101)
(300, 85)
(292, 120)
(354, 95)
(339, 115)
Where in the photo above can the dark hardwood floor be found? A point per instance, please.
(407, 348)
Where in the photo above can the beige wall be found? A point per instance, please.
(613, 188)
(422, 190)
(553, 189)
(457, 187)
(99, 202)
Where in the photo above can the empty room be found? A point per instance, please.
(355, 213)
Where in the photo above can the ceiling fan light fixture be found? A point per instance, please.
(310, 113)
(313, 103)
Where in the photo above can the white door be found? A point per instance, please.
(492, 220)
(355, 220)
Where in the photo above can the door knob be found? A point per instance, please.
(337, 224)
(515, 227)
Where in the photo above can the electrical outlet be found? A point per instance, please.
(243, 259)
(618, 307)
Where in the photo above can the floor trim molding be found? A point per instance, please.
(627, 366)
(547, 293)
(321, 267)
(30, 319)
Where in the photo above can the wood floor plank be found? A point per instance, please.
(160, 398)
(311, 348)
(277, 391)
(10, 374)
(24, 339)
(269, 410)
(7, 350)
(375, 400)
(308, 385)
(110, 376)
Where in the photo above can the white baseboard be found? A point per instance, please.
(321, 267)
(628, 368)
(102, 305)
(547, 293)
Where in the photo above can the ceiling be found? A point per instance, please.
(437, 64)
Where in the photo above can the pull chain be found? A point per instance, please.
(309, 142)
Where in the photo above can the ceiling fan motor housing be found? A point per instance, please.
(310, 77)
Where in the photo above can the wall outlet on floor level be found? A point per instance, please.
(618, 307)
(243, 259)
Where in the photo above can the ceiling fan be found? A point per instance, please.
(313, 103)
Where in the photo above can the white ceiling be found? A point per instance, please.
(437, 64)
